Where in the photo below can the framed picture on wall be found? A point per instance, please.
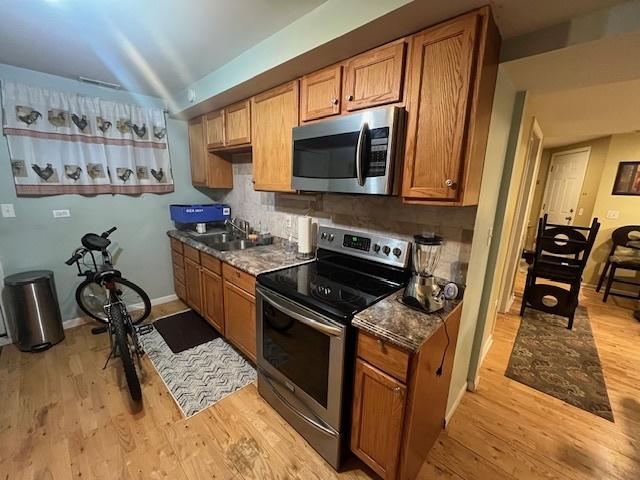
(627, 179)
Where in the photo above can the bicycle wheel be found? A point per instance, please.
(122, 344)
(92, 298)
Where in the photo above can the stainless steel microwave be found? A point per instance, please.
(358, 153)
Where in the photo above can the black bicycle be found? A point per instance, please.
(118, 303)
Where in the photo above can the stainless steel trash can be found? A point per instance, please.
(34, 319)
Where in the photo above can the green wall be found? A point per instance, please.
(35, 240)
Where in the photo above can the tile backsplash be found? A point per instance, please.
(382, 215)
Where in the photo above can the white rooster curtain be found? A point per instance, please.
(67, 143)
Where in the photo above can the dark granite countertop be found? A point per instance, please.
(400, 325)
(254, 260)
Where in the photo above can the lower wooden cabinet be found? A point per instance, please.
(240, 318)
(213, 310)
(193, 284)
(378, 416)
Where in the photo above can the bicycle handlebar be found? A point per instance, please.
(108, 232)
(73, 259)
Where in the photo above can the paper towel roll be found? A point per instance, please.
(305, 245)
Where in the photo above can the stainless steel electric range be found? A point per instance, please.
(305, 341)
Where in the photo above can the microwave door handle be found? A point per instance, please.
(360, 148)
(316, 325)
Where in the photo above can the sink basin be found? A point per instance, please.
(218, 237)
(232, 245)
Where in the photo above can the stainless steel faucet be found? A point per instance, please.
(240, 225)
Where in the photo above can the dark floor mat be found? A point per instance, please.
(185, 330)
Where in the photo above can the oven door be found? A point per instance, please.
(351, 154)
(300, 356)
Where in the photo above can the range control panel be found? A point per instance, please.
(391, 251)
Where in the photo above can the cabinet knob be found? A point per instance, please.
(450, 183)
(349, 97)
(396, 391)
(334, 101)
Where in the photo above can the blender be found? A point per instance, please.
(423, 291)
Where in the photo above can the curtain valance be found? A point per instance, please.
(68, 143)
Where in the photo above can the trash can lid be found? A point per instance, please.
(25, 278)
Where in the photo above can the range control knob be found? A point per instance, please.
(376, 248)
(397, 252)
(323, 235)
(386, 250)
(331, 237)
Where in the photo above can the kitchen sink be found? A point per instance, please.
(233, 245)
(217, 237)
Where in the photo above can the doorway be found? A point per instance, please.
(522, 210)
(564, 184)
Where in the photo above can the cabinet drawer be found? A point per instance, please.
(191, 253)
(180, 289)
(176, 245)
(177, 258)
(386, 357)
(211, 263)
(239, 278)
(178, 272)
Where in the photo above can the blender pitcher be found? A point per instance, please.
(423, 291)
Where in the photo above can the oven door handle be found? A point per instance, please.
(360, 148)
(316, 423)
(315, 324)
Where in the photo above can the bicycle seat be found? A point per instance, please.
(92, 241)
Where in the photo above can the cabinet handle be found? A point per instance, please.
(396, 391)
(450, 183)
(349, 97)
(334, 101)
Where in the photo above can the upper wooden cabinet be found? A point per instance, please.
(198, 152)
(215, 129)
(452, 72)
(320, 93)
(207, 169)
(273, 115)
(237, 124)
(375, 77)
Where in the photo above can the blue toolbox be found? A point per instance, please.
(214, 212)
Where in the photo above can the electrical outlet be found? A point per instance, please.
(613, 214)
(8, 210)
(61, 213)
(289, 221)
(580, 211)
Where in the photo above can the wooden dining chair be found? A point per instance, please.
(621, 237)
(561, 255)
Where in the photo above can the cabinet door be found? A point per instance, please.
(193, 284)
(274, 114)
(440, 73)
(197, 152)
(375, 78)
(215, 129)
(240, 319)
(378, 417)
(212, 300)
(320, 93)
(237, 124)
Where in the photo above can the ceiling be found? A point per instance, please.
(153, 47)
(160, 47)
(579, 114)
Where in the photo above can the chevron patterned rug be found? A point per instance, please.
(201, 376)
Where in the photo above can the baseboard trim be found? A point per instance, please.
(76, 322)
(456, 403)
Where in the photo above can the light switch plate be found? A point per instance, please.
(613, 214)
(7, 210)
(61, 213)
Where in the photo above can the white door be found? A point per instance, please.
(564, 183)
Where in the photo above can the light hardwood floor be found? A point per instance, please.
(62, 416)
